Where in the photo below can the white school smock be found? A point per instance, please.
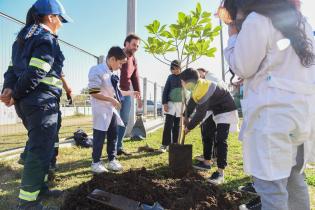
(279, 98)
(174, 108)
(102, 111)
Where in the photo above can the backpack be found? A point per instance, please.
(82, 139)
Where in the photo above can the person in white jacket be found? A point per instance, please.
(106, 101)
(273, 51)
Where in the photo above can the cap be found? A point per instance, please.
(175, 64)
(52, 7)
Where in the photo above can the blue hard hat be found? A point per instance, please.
(52, 7)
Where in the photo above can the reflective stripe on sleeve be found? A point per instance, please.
(41, 64)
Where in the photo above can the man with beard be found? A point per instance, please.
(128, 76)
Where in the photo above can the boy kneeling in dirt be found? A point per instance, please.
(210, 96)
(106, 99)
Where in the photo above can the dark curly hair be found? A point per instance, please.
(31, 18)
(285, 17)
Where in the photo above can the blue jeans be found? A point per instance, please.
(288, 193)
(99, 138)
(124, 114)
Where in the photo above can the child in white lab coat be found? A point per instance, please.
(106, 98)
(274, 53)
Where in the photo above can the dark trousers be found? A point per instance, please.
(55, 152)
(99, 138)
(171, 129)
(222, 146)
(39, 113)
(208, 133)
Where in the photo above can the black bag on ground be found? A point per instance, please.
(82, 139)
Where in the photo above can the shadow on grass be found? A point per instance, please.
(235, 183)
(9, 186)
(139, 155)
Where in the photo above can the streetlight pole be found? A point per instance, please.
(131, 28)
(222, 55)
(131, 16)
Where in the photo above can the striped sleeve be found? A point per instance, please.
(39, 65)
(95, 81)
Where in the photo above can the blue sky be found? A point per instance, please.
(100, 24)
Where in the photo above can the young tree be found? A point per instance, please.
(190, 37)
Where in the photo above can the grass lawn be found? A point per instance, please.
(14, 136)
(74, 167)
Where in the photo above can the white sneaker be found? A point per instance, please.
(114, 165)
(216, 178)
(163, 148)
(98, 167)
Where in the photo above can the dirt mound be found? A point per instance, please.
(188, 193)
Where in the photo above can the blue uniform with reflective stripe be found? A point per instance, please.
(34, 77)
(37, 65)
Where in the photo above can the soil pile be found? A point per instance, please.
(188, 193)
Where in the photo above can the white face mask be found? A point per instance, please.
(189, 86)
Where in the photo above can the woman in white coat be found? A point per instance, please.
(273, 51)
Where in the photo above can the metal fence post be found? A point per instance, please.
(145, 89)
(100, 59)
(155, 100)
(162, 112)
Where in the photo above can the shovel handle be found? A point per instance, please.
(181, 136)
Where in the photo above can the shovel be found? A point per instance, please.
(120, 202)
(180, 155)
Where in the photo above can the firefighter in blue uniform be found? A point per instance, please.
(32, 83)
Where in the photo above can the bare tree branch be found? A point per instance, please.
(194, 60)
(166, 58)
(177, 49)
(161, 39)
(160, 59)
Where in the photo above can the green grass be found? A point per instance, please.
(14, 136)
(74, 167)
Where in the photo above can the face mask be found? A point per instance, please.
(190, 86)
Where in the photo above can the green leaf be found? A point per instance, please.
(194, 21)
(204, 20)
(181, 17)
(217, 29)
(208, 26)
(194, 57)
(149, 28)
(174, 31)
(162, 28)
(198, 8)
(156, 26)
(205, 14)
(166, 34)
(210, 53)
(171, 49)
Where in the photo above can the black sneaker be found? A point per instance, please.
(248, 188)
(254, 204)
(123, 152)
(21, 161)
(50, 194)
(202, 166)
(216, 178)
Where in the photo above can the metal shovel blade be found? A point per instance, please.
(114, 201)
